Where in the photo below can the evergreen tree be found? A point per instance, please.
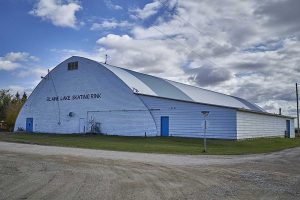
(12, 113)
(24, 97)
(5, 100)
(17, 96)
(10, 107)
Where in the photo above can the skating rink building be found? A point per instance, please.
(82, 95)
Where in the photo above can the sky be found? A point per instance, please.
(248, 49)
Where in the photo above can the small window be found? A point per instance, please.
(73, 66)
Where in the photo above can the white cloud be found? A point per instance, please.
(13, 89)
(16, 56)
(157, 57)
(66, 53)
(235, 43)
(60, 13)
(22, 65)
(7, 65)
(14, 60)
(148, 10)
(110, 24)
(32, 71)
(112, 6)
(220, 32)
(209, 75)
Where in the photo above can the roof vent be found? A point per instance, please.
(73, 65)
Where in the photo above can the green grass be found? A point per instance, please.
(170, 145)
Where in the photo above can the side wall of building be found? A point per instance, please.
(91, 94)
(186, 119)
(252, 125)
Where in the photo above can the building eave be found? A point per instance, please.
(265, 113)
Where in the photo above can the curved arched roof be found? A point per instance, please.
(144, 84)
(153, 86)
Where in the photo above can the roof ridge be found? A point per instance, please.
(242, 101)
(168, 80)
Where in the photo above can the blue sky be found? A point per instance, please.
(40, 37)
(248, 49)
(25, 32)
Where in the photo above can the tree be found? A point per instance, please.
(5, 100)
(24, 97)
(17, 96)
(10, 107)
(12, 113)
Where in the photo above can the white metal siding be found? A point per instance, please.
(251, 125)
(121, 112)
(123, 122)
(292, 128)
(186, 120)
(90, 77)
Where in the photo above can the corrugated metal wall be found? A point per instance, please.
(121, 112)
(186, 120)
(90, 78)
(123, 122)
(251, 125)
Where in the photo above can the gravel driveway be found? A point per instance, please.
(44, 172)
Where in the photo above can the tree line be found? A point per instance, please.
(10, 106)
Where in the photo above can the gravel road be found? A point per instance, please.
(44, 172)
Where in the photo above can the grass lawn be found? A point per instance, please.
(172, 145)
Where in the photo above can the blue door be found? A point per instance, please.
(288, 129)
(164, 126)
(29, 124)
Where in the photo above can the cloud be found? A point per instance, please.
(287, 107)
(281, 15)
(209, 75)
(19, 56)
(110, 24)
(270, 97)
(255, 47)
(32, 71)
(157, 58)
(22, 67)
(7, 65)
(250, 66)
(13, 89)
(60, 13)
(13, 60)
(112, 6)
(148, 10)
(97, 55)
(272, 45)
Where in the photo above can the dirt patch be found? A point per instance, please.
(62, 176)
